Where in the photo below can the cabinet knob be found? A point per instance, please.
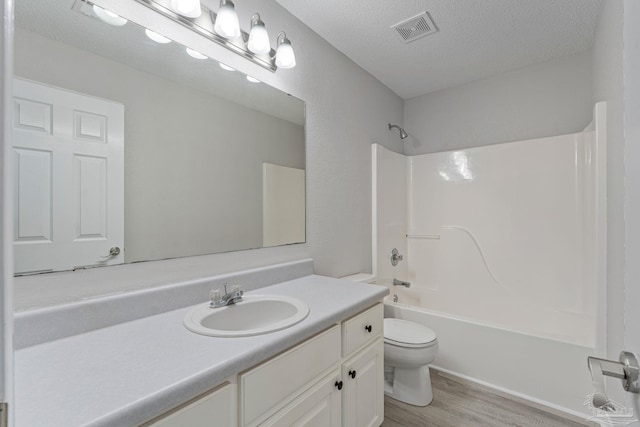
(352, 374)
(338, 385)
(368, 328)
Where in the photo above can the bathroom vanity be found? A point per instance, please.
(328, 368)
(313, 383)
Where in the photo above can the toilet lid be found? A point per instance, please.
(404, 332)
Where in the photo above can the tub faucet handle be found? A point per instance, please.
(395, 257)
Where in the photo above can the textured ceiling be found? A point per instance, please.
(476, 38)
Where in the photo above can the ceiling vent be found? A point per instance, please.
(414, 28)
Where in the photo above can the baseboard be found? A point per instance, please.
(520, 397)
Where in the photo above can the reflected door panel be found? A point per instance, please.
(68, 179)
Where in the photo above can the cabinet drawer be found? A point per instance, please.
(362, 329)
(218, 406)
(269, 386)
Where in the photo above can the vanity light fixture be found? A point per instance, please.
(188, 8)
(158, 38)
(253, 79)
(226, 67)
(195, 54)
(227, 24)
(285, 58)
(258, 36)
(108, 16)
(223, 28)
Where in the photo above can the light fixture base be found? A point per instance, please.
(203, 25)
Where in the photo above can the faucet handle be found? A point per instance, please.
(215, 296)
(236, 290)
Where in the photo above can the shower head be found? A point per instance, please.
(403, 134)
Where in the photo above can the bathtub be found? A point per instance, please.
(548, 372)
(507, 264)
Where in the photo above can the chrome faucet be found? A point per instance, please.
(397, 282)
(228, 298)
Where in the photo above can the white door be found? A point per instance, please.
(68, 154)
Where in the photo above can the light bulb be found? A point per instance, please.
(258, 36)
(285, 58)
(227, 24)
(108, 16)
(226, 67)
(253, 79)
(195, 54)
(158, 38)
(188, 8)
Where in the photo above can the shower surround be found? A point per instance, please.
(504, 248)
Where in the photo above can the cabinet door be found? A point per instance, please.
(363, 393)
(218, 408)
(320, 406)
(272, 385)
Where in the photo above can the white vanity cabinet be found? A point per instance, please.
(363, 394)
(333, 379)
(216, 408)
(321, 405)
(270, 386)
(363, 369)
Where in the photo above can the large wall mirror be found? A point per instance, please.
(128, 149)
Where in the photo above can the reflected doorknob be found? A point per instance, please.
(114, 251)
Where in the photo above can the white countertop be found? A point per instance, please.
(126, 374)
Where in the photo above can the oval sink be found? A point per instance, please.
(254, 315)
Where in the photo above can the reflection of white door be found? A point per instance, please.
(283, 205)
(68, 153)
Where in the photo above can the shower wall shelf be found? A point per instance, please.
(423, 236)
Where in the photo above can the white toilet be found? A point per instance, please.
(409, 348)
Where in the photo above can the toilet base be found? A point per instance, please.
(412, 386)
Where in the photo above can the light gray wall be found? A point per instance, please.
(551, 98)
(608, 86)
(193, 162)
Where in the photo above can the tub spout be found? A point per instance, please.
(397, 282)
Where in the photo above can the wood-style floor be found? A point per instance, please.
(460, 403)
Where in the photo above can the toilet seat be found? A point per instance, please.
(403, 333)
